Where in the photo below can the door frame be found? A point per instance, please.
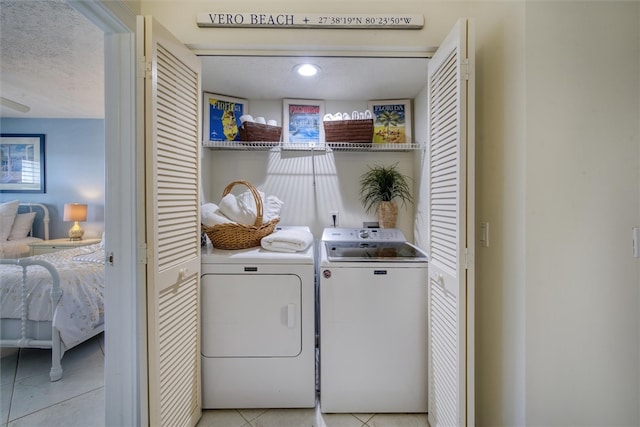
(125, 369)
(126, 394)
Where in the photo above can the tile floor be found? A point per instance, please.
(28, 398)
(305, 418)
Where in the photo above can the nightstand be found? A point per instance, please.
(54, 245)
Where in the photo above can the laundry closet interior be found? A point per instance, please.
(313, 183)
(251, 355)
(366, 288)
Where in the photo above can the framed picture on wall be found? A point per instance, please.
(221, 117)
(22, 163)
(391, 121)
(302, 123)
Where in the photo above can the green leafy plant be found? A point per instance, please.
(384, 184)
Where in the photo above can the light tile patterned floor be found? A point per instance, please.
(311, 417)
(28, 398)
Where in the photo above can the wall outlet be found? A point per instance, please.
(334, 218)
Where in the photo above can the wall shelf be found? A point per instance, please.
(348, 146)
(327, 147)
(240, 146)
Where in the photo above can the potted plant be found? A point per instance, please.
(380, 187)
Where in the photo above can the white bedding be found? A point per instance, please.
(17, 248)
(81, 307)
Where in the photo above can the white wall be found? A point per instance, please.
(500, 201)
(180, 18)
(582, 175)
(557, 136)
(309, 197)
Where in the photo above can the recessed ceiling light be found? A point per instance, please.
(307, 70)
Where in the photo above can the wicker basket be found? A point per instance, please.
(257, 132)
(241, 236)
(356, 131)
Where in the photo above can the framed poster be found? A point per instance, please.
(391, 121)
(22, 163)
(302, 122)
(221, 117)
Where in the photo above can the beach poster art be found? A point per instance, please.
(304, 123)
(224, 118)
(391, 122)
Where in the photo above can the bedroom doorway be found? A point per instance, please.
(125, 368)
(74, 132)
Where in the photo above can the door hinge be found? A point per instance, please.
(468, 259)
(143, 254)
(464, 69)
(143, 68)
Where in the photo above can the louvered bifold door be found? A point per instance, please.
(450, 247)
(172, 93)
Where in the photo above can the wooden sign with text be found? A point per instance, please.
(311, 20)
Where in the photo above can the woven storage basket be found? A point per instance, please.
(241, 236)
(360, 131)
(250, 132)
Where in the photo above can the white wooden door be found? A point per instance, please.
(451, 157)
(172, 152)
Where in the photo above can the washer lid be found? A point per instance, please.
(374, 252)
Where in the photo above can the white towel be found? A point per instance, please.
(287, 241)
(242, 209)
(271, 205)
(210, 215)
(237, 211)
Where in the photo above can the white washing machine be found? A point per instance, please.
(258, 331)
(373, 322)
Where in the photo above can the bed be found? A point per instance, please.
(20, 225)
(52, 301)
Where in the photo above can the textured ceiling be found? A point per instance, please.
(340, 78)
(51, 60)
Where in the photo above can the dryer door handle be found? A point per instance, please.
(291, 315)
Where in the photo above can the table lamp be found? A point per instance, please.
(75, 212)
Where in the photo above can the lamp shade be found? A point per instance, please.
(75, 212)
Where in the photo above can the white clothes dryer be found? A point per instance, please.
(258, 329)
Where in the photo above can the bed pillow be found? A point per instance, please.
(8, 212)
(22, 225)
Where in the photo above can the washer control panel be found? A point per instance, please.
(363, 234)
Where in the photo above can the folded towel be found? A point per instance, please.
(287, 241)
(210, 215)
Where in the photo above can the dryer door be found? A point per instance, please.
(251, 315)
